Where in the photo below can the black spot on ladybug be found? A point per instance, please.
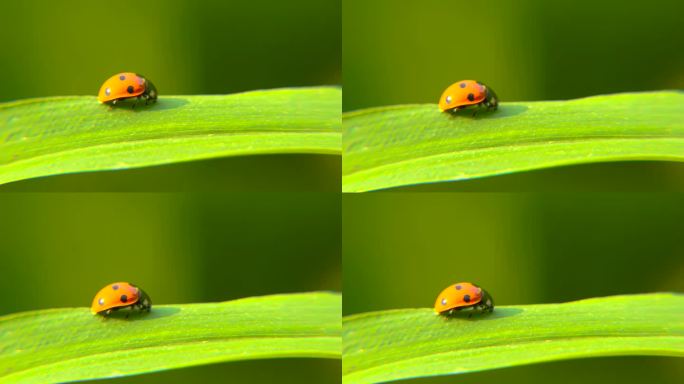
(471, 97)
(458, 287)
(124, 298)
(462, 85)
(115, 287)
(130, 89)
(466, 298)
(122, 77)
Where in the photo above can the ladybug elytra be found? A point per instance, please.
(466, 93)
(127, 85)
(461, 296)
(120, 295)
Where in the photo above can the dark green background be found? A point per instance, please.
(405, 52)
(401, 249)
(69, 47)
(58, 250)
(398, 52)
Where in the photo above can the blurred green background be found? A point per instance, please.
(70, 47)
(409, 52)
(404, 52)
(58, 250)
(401, 249)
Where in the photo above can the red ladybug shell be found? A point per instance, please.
(116, 295)
(461, 94)
(121, 86)
(457, 296)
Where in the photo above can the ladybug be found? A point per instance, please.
(120, 295)
(127, 85)
(466, 93)
(461, 296)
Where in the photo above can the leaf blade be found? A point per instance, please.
(413, 144)
(48, 136)
(400, 344)
(72, 344)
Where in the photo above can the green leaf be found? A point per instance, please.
(400, 344)
(413, 144)
(56, 135)
(57, 345)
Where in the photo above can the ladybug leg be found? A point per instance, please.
(136, 101)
